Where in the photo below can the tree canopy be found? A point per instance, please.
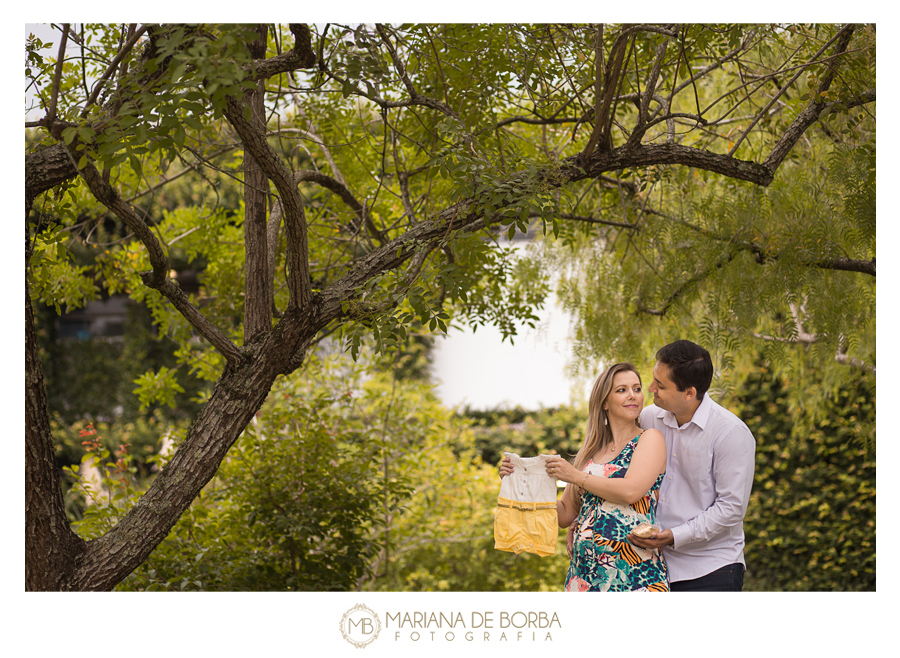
(377, 166)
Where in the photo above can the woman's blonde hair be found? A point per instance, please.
(599, 434)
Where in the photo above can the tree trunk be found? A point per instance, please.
(69, 563)
(258, 294)
(51, 548)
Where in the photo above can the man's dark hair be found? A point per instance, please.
(689, 364)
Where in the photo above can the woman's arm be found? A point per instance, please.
(648, 461)
(566, 511)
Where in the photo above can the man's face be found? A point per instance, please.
(665, 394)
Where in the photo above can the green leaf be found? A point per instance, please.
(135, 165)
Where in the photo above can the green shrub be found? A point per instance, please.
(810, 525)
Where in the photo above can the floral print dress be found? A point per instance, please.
(603, 560)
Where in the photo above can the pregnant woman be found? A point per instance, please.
(612, 488)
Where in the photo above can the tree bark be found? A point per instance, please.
(238, 395)
(258, 293)
(51, 548)
(46, 169)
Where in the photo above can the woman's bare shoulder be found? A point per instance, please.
(652, 434)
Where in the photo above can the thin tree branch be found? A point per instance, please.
(761, 255)
(113, 65)
(808, 339)
(844, 39)
(686, 285)
(403, 179)
(540, 121)
(189, 167)
(590, 220)
(158, 278)
(346, 196)
(650, 91)
(57, 74)
(562, 65)
(311, 134)
(712, 67)
(415, 97)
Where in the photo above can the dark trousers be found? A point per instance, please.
(727, 579)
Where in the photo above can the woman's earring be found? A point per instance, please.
(606, 420)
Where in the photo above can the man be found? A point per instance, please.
(709, 473)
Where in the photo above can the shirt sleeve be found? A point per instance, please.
(733, 464)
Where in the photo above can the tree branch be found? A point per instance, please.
(57, 75)
(650, 91)
(668, 117)
(98, 87)
(301, 56)
(540, 121)
(815, 105)
(841, 357)
(254, 141)
(415, 97)
(680, 290)
(712, 67)
(847, 265)
(258, 288)
(403, 179)
(311, 133)
(762, 256)
(346, 196)
(158, 278)
(808, 339)
(647, 154)
(591, 220)
(47, 168)
(600, 138)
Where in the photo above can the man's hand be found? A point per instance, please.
(656, 540)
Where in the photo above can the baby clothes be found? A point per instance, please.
(525, 518)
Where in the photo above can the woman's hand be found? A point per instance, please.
(559, 468)
(506, 467)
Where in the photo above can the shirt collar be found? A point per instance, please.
(700, 417)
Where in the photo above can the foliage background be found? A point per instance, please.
(303, 501)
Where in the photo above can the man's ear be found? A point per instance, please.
(690, 393)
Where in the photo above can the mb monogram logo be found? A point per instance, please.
(360, 626)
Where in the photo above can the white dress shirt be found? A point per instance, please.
(704, 495)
